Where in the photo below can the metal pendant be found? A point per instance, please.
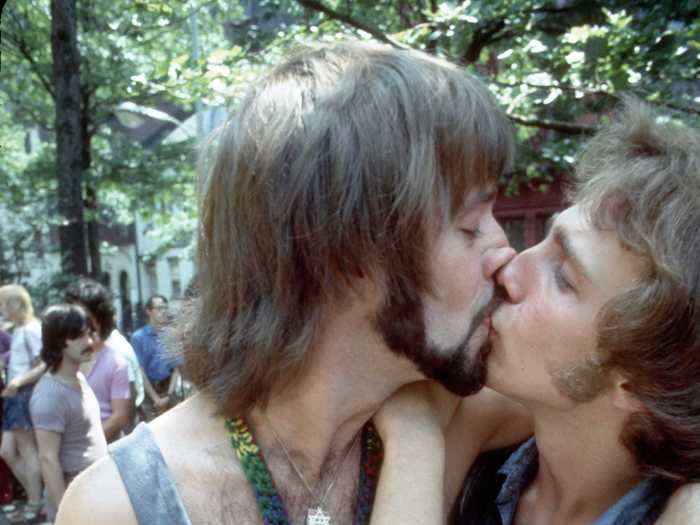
(317, 516)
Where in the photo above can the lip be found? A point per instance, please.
(492, 324)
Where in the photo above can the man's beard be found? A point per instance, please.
(401, 323)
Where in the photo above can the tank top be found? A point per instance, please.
(149, 484)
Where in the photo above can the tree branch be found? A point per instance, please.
(562, 127)
(482, 37)
(21, 46)
(353, 22)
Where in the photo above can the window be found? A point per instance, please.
(515, 232)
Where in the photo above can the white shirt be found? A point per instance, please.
(24, 349)
(123, 347)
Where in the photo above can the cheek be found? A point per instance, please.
(457, 277)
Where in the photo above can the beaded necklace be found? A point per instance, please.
(269, 501)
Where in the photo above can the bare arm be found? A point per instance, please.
(119, 420)
(174, 377)
(158, 401)
(417, 484)
(683, 508)
(49, 444)
(96, 497)
(29, 378)
(411, 485)
(485, 421)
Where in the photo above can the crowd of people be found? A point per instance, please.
(72, 384)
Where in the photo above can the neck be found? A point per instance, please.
(68, 370)
(583, 467)
(350, 375)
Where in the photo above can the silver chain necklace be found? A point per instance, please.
(314, 515)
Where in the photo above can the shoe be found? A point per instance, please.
(31, 513)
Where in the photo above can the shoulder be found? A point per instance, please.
(97, 497)
(144, 332)
(48, 398)
(491, 420)
(138, 335)
(33, 327)
(120, 343)
(114, 358)
(197, 450)
(683, 507)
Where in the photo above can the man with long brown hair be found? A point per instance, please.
(346, 247)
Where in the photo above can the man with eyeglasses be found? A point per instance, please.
(158, 369)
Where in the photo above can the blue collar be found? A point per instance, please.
(641, 505)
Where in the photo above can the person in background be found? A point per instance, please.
(5, 343)
(18, 447)
(63, 407)
(159, 369)
(107, 371)
(123, 347)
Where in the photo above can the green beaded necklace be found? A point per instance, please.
(269, 501)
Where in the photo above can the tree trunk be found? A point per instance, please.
(66, 80)
(93, 232)
(91, 200)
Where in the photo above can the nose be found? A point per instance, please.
(495, 259)
(508, 279)
(498, 253)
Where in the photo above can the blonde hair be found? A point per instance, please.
(335, 167)
(17, 302)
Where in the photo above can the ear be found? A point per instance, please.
(622, 396)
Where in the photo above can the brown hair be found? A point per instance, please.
(59, 323)
(334, 167)
(640, 177)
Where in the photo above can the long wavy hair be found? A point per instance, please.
(336, 166)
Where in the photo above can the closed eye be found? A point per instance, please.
(562, 282)
(472, 234)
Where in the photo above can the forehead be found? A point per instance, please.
(609, 265)
(478, 196)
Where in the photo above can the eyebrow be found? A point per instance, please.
(564, 241)
(478, 198)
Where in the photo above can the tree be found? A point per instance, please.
(556, 67)
(136, 51)
(66, 94)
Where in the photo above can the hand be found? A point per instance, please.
(416, 409)
(162, 403)
(10, 390)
